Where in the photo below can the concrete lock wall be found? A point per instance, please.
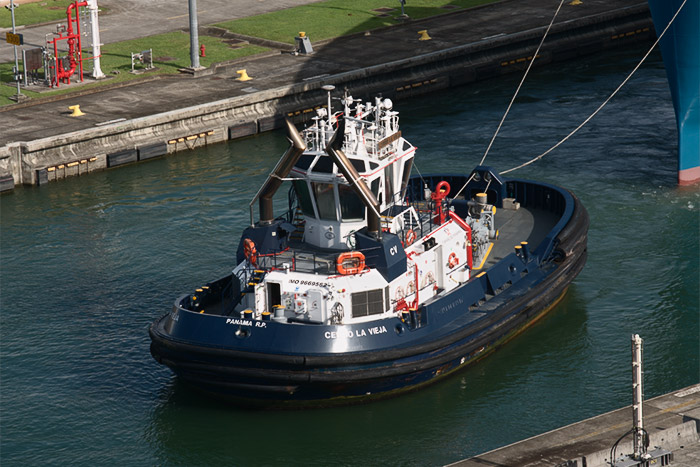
(81, 152)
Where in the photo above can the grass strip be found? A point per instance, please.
(323, 20)
(334, 18)
(171, 51)
(37, 12)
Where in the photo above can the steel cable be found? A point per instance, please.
(590, 117)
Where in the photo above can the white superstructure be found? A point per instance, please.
(360, 251)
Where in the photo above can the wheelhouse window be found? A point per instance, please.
(325, 201)
(389, 183)
(375, 189)
(302, 191)
(324, 164)
(359, 165)
(304, 162)
(351, 207)
(374, 186)
(406, 174)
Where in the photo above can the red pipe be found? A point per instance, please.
(459, 221)
(60, 72)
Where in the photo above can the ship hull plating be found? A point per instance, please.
(680, 48)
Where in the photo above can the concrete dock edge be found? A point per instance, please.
(672, 421)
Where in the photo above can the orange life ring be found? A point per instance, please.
(452, 261)
(428, 279)
(251, 254)
(350, 262)
(410, 237)
(410, 288)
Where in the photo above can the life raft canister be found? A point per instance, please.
(249, 251)
(350, 262)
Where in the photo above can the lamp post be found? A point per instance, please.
(194, 35)
(15, 71)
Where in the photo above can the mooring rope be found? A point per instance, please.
(415, 166)
(590, 117)
(534, 57)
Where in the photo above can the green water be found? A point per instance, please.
(88, 263)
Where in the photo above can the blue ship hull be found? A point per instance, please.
(271, 363)
(680, 48)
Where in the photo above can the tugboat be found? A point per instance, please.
(374, 282)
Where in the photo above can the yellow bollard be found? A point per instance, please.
(244, 75)
(424, 35)
(76, 110)
(576, 2)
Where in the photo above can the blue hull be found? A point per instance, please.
(680, 48)
(272, 363)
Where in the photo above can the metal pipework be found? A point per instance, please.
(275, 179)
(356, 182)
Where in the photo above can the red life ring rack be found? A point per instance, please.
(350, 262)
(410, 237)
(452, 261)
(251, 254)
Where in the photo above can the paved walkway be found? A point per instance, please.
(131, 19)
(273, 70)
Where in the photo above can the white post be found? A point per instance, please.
(639, 448)
(329, 88)
(95, 31)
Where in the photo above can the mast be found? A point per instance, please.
(638, 398)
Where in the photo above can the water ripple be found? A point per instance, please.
(89, 262)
